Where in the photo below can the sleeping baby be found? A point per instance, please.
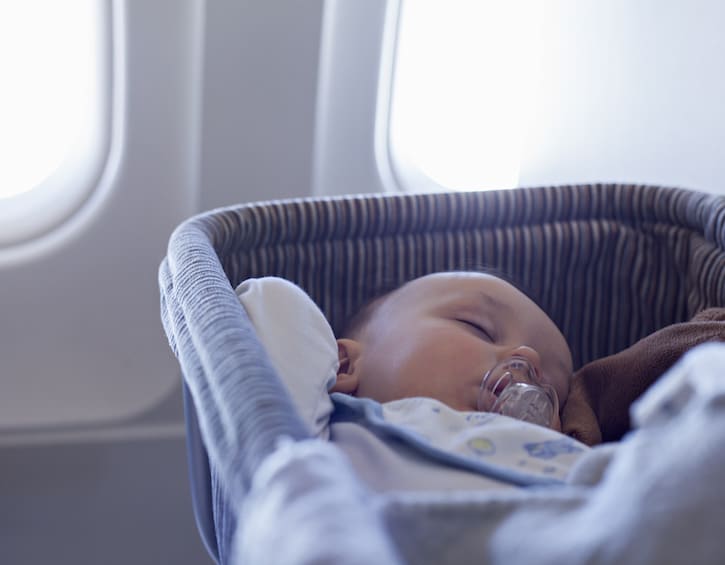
(455, 380)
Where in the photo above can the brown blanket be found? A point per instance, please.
(602, 391)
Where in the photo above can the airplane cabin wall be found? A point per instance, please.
(215, 105)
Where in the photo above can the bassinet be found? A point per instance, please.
(609, 263)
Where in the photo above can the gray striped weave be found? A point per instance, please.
(609, 263)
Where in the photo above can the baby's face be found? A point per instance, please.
(438, 335)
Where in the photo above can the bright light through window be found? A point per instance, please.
(48, 57)
(465, 77)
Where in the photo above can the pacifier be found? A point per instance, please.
(512, 388)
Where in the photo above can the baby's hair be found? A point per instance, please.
(363, 313)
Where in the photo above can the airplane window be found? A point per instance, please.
(50, 108)
(465, 77)
(490, 94)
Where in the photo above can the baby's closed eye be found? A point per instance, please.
(478, 328)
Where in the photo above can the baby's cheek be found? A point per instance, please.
(395, 371)
(428, 362)
(422, 364)
(449, 356)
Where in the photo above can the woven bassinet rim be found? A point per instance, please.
(355, 217)
(276, 231)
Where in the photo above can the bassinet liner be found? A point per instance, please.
(609, 263)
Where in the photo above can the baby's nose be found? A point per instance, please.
(531, 355)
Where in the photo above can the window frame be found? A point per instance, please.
(357, 54)
(32, 215)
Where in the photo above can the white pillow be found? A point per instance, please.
(300, 344)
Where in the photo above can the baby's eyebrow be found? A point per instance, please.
(493, 303)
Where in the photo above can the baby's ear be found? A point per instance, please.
(348, 378)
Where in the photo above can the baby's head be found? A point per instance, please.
(436, 336)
